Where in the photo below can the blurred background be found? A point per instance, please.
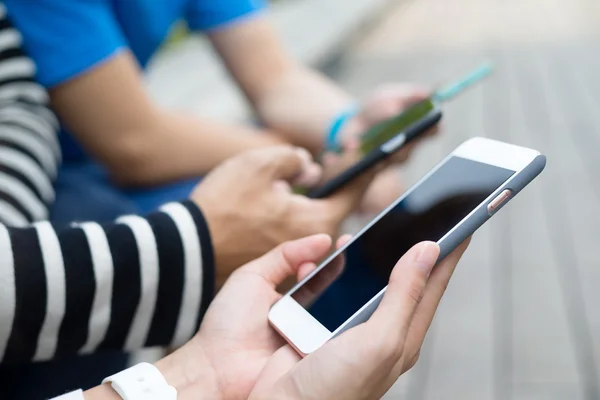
(521, 318)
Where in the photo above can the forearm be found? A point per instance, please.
(301, 104)
(291, 99)
(111, 115)
(176, 146)
(125, 285)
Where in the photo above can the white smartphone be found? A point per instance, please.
(448, 205)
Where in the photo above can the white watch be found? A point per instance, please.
(142, 381)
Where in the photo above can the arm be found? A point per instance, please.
(113, 117)
(29, 150)
(82, 288)
(347, 367)
(97, 90)
(290, 98)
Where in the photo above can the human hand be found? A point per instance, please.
(383, 103)
(235, 340)
(250, 208)
(365, 361)
(237, 355)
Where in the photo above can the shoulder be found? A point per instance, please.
(66, 37)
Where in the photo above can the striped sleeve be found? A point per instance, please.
(29, 148)
(133, 283)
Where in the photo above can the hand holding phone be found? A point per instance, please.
(262, 366)
(447, 206)
(386, 130)
(367, 360)
(378, 155)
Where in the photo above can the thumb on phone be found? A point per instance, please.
(292, 164)
(348, 198)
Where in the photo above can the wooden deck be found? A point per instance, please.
(521, 318)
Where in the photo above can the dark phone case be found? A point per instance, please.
(369, 161)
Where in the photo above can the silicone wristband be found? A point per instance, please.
(331, 142)
(142, 381)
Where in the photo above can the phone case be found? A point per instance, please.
(450, 242)
(378, 155)
(386, 130)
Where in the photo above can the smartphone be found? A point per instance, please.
(446, 206)
(378, 155)
(386, 130)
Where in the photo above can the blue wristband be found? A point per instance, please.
(331, 142)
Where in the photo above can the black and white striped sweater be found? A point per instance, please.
(74, 289)
(134, 283)
(29, 149)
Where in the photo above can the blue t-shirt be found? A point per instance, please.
(69, 37)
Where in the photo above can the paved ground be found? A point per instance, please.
(521, 319)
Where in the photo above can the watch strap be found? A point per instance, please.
(142, 381)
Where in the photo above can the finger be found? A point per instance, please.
(342, 240)
(392, 99)
(405, 290)
(434, 290)
(328, 159)
(306, 268)
(284, 261)
(407, 93)
(351, 144)
(415, 95)
(280, 363)
(311, 172)
(386, 109)
(309, 177)
(334, 164)
(283, 162)
(282, 186)
(317, 284)
(423, 317)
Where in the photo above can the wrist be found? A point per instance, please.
(102, 392)
(338, 125)
(190, 372)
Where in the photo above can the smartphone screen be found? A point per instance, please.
(355, 276)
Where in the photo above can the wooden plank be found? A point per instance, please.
(543, 118)
(547, 391)
(462, 342)
(526, 293)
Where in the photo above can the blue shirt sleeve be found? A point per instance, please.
(66, 37)
(205, 15)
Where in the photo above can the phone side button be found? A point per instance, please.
(394, 144)
(498, 201)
